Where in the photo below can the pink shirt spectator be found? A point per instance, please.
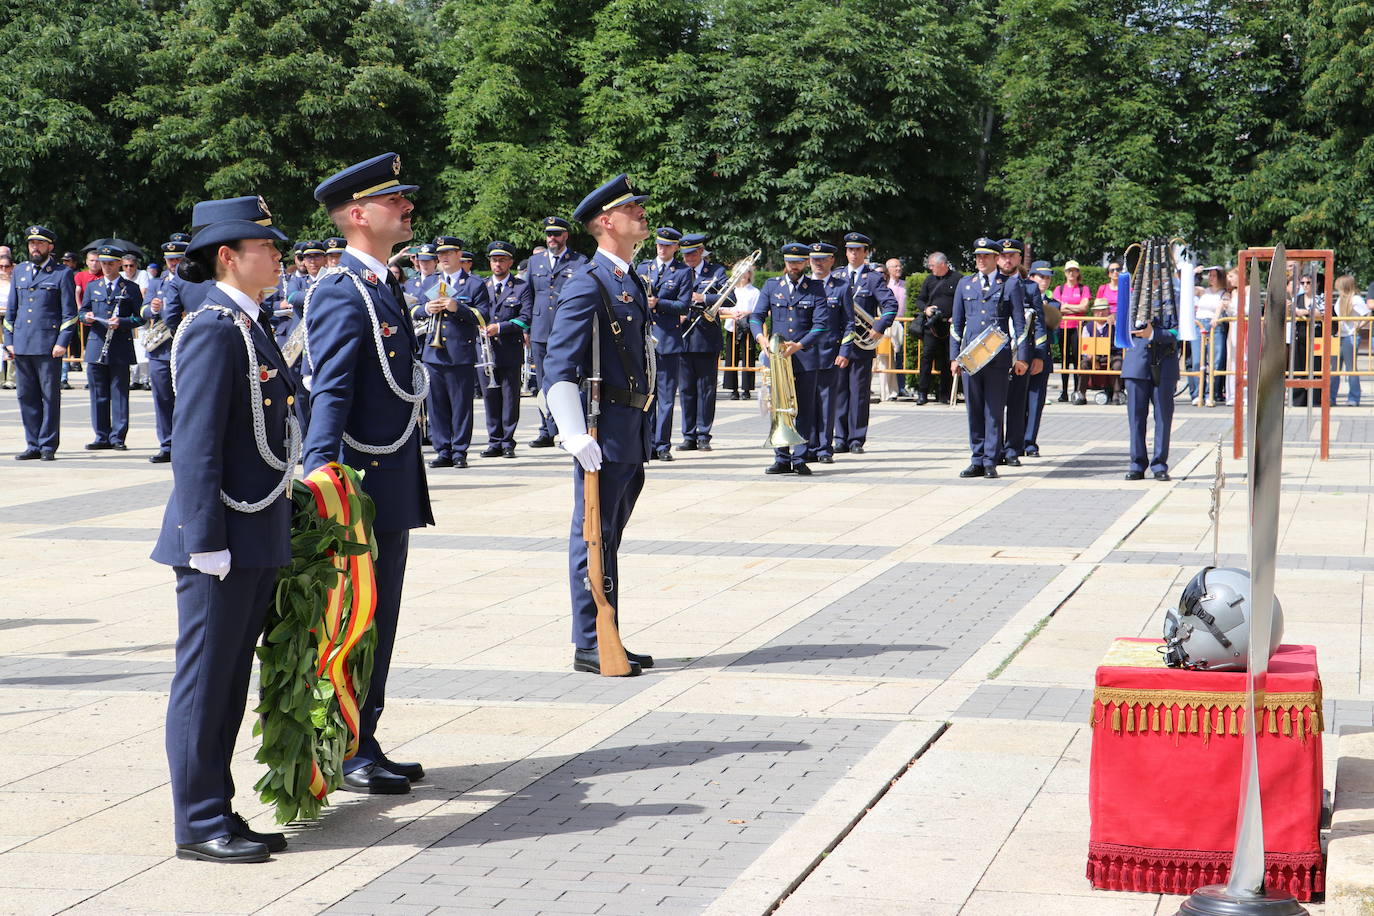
(1108, 292)
(1073, 295)
(898, 288)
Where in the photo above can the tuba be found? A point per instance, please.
(782, 397)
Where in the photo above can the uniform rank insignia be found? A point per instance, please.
(625, 297)
(370, 277)
(265, 374)
(619, 274)
(387, 330)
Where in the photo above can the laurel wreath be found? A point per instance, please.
(299, 720)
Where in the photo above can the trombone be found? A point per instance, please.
(712, 312)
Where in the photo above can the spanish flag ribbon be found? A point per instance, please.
(335, 497)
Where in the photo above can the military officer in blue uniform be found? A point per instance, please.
(1018, 386)
(162, 307)
(700, 378)
(832, 364)
(602, 329)
(40, 320)
(665, 277)
(426, 262)
(367, 385)
(1149, 366)
(333, 250)
(1042, 274)
(512, 307)
(796, 307)
(982, 300)
(226, 530)
(866, 287)
(548, 271)
(111, 309)
(459, 304)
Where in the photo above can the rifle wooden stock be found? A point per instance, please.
(614, 662)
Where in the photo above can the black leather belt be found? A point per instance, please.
(622, 397)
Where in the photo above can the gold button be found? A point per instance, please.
(290, 399)
(266, 402)
(375, 464)
(391, 353)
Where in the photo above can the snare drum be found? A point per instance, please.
(980, 351)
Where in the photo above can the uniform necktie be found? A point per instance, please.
(986, 284)
(499, 287)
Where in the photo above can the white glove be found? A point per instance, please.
(565, 404)
(212, 563)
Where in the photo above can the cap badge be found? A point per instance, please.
(263, 205)
(396, 165)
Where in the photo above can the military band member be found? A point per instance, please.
(110, 310)
(162, 303)
(512, 305)
(606, 295)
(226, 530)
(1150, 369)
(982, 301)
(866, 287)
(1042, 273)
(366, 390)
(666, 279)
(40, 320)
(549, 270)
(796, 307)
(1018, 386)
(426, 263)
(458, 303)
(312, 262)
(700, 364)
(832, 363)
(333, 250)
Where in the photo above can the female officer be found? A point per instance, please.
(226, 529)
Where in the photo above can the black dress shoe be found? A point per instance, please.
(491, 451)
(643, 661)
(441, 462)
(1013, 462)
(508, 452)
(1032, 453)
(973, 470)
(779, 467)
(411, 771)
(801, 469)
(589, 660)
(460, 462)
(275, 842)
(704, 446)
(119, 446)
(990, 473)
(48, 454)
(842, 448)
(1162, 475)
(734, 395)
(921, 399)
(98, 446)
(1135, 475)
(664, 455)
(689, 446)
(227, 848)
(748, 395)
(373, 779)
(28, 454)
(856, 449)
(162, 457)
(826, 459)
(542, 442)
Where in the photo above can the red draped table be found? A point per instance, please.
(1164, 783)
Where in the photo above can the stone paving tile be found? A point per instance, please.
(474, 684)
(94, 504)
(1046, 518)
(661, 816)
(1237, 482)
(1096, 462)
(916, 620)
(1074, 705)
(1199, 558)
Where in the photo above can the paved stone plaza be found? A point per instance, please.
(871, 696)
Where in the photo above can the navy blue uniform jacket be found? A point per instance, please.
(670, 287)
(460, 326)
(870, 293)
(548, 282)
(706, 337)
(127, 301)
(512, 314)
(212, 424)
(975, 310)
(167, 287)
(801, 316)
(348, 393)
(41, 311)
(624, 431)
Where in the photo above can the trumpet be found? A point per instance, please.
(712, 312)
(782, 397)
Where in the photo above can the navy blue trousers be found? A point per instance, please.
(503, 406)
(621, 483)
(450, 409)
(393, 548)
(109, 389)
(1141, 395)
(985, 396)
(537, 350)
(218, 625)
(38, 383)
(698, 396)
(852, 405)
(160, 375)
(821, 437)
(1036, 400)
(806, 416)
(1018, 404)
(670, 372)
